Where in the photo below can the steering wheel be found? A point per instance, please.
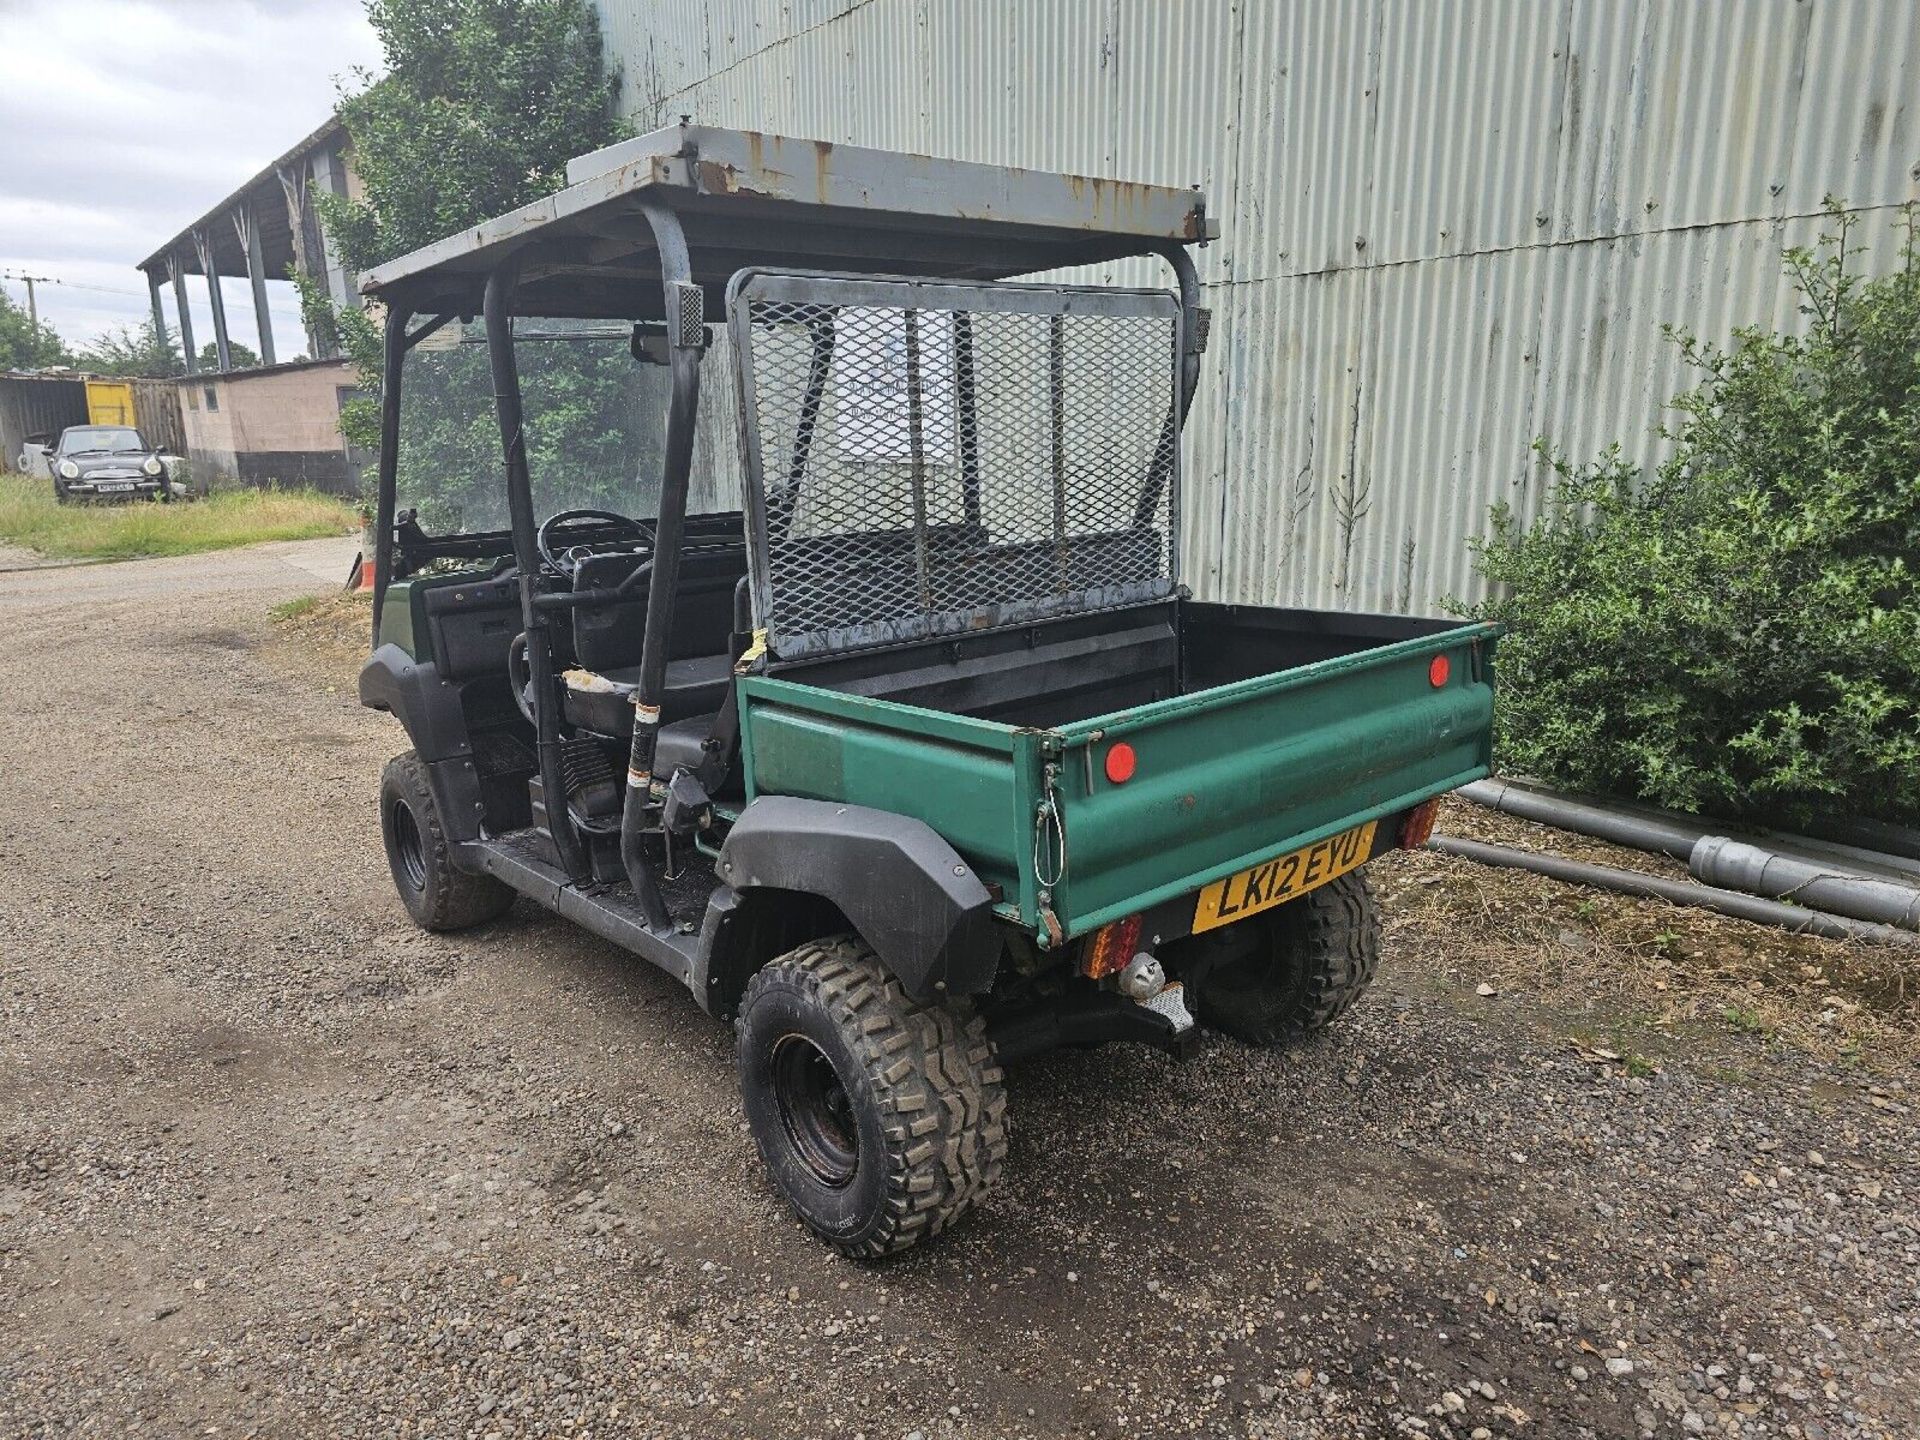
(552, 545)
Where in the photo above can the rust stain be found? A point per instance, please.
(718, 179)
(822, 168)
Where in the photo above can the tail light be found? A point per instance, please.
(1438, 669)
(1417, 828)
(1111, 947)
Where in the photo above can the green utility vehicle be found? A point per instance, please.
(877, 713)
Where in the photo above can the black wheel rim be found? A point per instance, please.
(815, 1110)
(407, 848)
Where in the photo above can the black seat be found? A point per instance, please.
(682, 743)
(603, 702)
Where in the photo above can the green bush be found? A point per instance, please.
(1737, 632)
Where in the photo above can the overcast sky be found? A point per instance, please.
(122, 121)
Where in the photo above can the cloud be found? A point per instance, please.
(125, 120)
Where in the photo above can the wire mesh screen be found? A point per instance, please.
(928, 458)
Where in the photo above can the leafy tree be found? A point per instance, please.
(1737, 631)
(239, 357)
(25, 346)
(482, 105)
(133, 350)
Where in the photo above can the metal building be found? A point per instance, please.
(264, 231)
(1447, 227)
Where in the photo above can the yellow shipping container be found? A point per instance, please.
(109, 402)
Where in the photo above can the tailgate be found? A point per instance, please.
(1228, 777)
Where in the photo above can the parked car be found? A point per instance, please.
(107, 462)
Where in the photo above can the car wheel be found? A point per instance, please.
(437, 895)
(1292, 972)
(60, 496)
(881, 1120)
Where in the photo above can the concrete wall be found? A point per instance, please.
(278, 426)
(1448, 226)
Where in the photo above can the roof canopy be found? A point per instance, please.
(746, 198)
(266, 198)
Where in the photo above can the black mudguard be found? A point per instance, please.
(429, 709)
(904, 889)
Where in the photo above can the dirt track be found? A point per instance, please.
(272, 1161)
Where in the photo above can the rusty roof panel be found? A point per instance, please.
(828, 205)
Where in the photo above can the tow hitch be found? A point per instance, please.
(1144, 1007)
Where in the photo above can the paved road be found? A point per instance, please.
(272, 1162)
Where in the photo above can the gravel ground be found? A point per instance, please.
(274, 1163)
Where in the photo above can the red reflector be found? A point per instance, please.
(1417, 828)
(1120, 765)
(1111, 947)
(1438, 670)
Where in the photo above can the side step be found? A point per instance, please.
(517, 860)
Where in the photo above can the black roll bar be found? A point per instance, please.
(684, 309)
(396, 341)
(498, 308)
(1192, 344)
(394, 349)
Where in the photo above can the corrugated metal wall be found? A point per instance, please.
(36, 405)
(1448, 227)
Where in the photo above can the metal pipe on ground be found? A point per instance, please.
(1640, 827)
(1880, 835)
(1635, 832)
(1718, 860)
(1653, 887)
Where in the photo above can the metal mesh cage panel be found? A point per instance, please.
(926, 458)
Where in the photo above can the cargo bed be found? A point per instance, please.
(1253, 732)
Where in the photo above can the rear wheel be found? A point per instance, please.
(880, 1119)
(1293, 972)
(437, 896)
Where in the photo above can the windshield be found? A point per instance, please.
(595, 425)
(100, 437)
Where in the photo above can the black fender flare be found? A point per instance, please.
(904, 889)
(429, 710)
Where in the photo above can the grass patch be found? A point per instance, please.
(29, 516)
(293, 609)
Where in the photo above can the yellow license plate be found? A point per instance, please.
(1275, 882)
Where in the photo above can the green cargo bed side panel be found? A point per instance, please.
(1229, 777)
(955, 773)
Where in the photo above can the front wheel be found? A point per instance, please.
(1295, 971)
(437, 895)
(880, 1119)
